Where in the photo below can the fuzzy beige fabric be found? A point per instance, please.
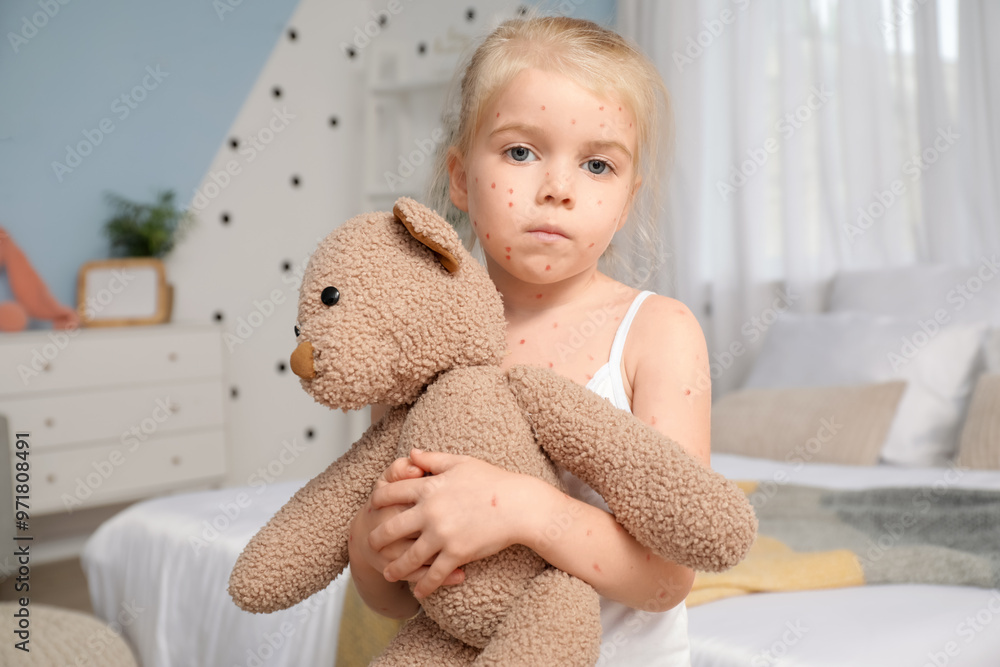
(61, 637)
(419, 326)
(980, 444)
(818, 424)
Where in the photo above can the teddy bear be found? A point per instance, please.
(394, 310)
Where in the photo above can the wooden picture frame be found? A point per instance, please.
(123, 292)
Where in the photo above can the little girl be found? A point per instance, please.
(556, 139)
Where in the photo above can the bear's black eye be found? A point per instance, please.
(296, 330)
(330, 296)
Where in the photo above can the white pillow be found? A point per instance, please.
(966, 294)
(938, 364)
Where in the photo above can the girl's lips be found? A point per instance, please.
(543, 235)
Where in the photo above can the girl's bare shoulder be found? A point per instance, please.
(666, 341)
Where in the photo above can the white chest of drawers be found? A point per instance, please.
(113, 414)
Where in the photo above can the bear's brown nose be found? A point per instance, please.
(302, 361)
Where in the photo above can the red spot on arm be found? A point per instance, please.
(487, 234)
(551, 365)
(589, 531)
(647, 556)
(493, 185)
(510, 204)
(602, 124)
(555, 324)
(510, 191)
(498, 114)
(598, 202)
(573, 121)
(600, 108)
(652, 421)
(590, 356)
(597, 567)
(543, 107)
(538, 296)
(619, 108)
(494, 501)
(687, 392)
(522, 341)
(548, 267)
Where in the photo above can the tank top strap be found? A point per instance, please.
(618, 349)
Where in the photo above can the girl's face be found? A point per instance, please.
(548, 179)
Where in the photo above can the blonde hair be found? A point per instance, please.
(597, 59)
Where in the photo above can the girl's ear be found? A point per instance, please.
(457, 187)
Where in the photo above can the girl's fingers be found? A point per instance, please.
(435, 462)
(403, 492)
(401, 469)
(401, 526)
(439, 571)
(411, 561)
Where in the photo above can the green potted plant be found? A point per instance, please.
(141, 235)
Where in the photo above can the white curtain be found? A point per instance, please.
(819, 136)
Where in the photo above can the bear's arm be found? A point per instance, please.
(666, 499)
(304, 545)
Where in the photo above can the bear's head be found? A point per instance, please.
(388, 301)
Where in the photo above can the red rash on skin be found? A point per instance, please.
(510, 204)
(647, 556)
(543, 107)
(687, 392)
(590, 357)
(498, 114)
(591, 245)
(600, 108)
(522, 341)
(598, 202)
(551, 365)
(573, 121)
(652, 421)
(597, 567)
(538, 296)
(493, 185)
(589, 532)
(555, 324)
(507, 256)
(487, 234)
(548, 268)
(494, 501)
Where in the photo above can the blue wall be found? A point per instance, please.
(63, 73)
(67, 77)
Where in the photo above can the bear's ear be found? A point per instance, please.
(430, 229)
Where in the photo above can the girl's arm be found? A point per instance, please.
(671, 392)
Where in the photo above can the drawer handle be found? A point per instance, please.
(50, 422)
(50, 478)
(176, 460)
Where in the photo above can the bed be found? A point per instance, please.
(930, 420)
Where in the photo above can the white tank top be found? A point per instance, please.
(631, 637)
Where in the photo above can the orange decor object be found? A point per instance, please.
(32, 298)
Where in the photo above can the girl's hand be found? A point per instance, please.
(370, 518)
(466, 510)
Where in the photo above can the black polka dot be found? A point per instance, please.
(470, 14)
(292, 35)
(286, 265)
(333, 121)
(217, 316)
(234, 392)
(225, 218)
(234, 143)
(281, 367)
(421, 48)
(310, 434)
(296, 181)
(522, 10)
(276, 91)
(383, 19)
(351, 52)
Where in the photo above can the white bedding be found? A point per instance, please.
(148, 557)
(877, 626)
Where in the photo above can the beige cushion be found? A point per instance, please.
(62, 637)
(980, 444)
(845, 424)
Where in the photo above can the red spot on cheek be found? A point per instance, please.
(602, 124)
(487, 234)
(498, 114)
(508, 248)
(548, 267)
(507, 256)
(619, 108)
(510, 204)
(543, 107)
(591, 245)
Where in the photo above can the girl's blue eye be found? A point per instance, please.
(519, 153)
(597, 167)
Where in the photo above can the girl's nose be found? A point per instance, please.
(556, 188)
